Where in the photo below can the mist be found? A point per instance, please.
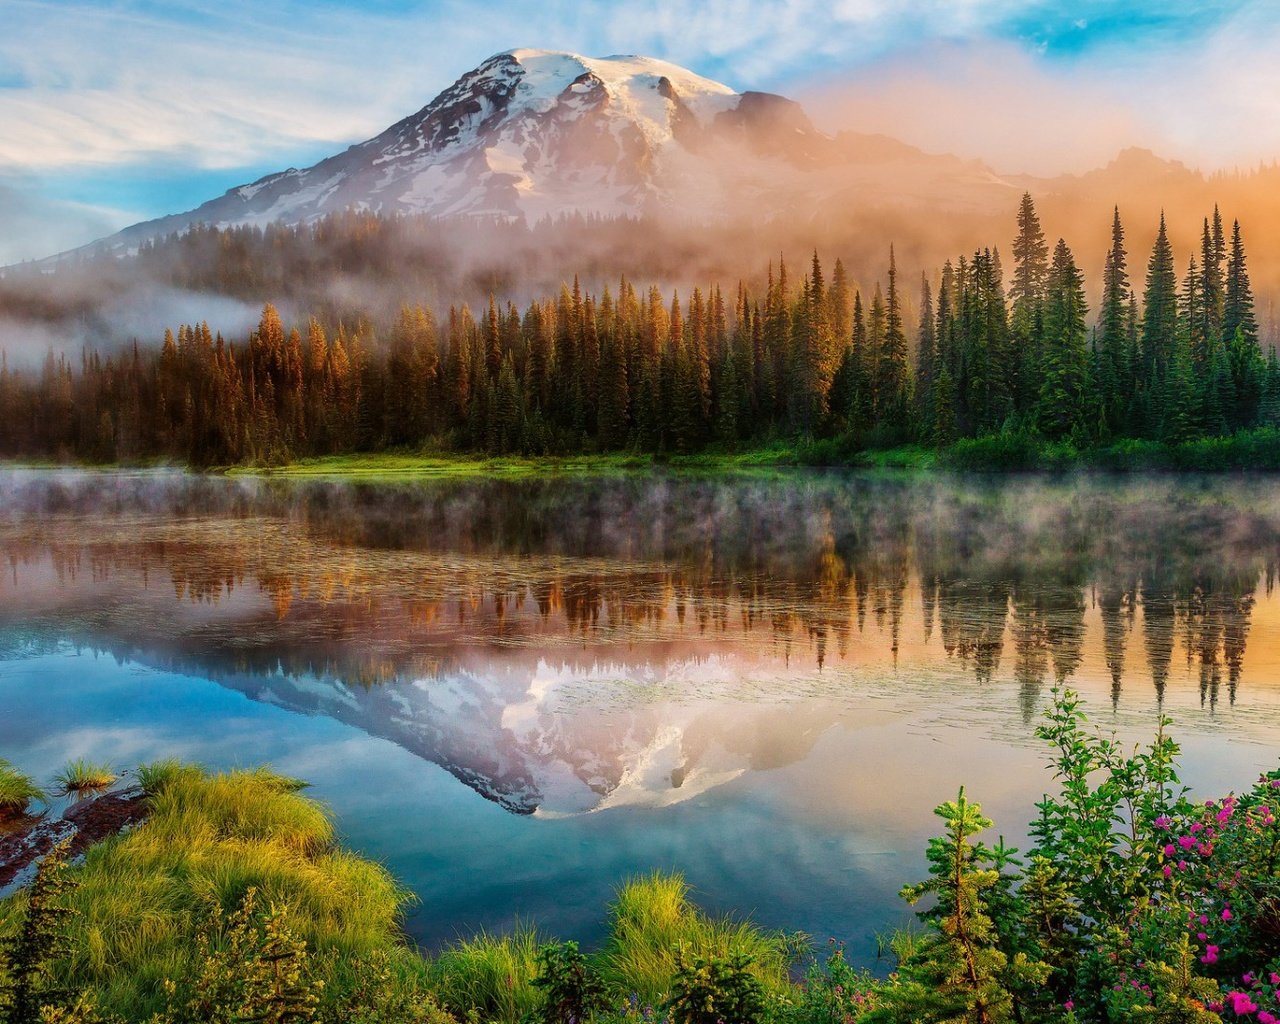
(1204, 99)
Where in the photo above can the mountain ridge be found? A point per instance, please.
(535, 133)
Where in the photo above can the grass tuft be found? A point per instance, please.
(84, 776)
(652, 920)
(156, 776)
(490, 975)
(17, 790)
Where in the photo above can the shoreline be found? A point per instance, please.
(1253, 451)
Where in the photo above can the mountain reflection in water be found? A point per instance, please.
(569, 644)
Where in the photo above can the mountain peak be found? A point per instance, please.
(533, 133)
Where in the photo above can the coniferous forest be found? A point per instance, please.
(1171, 353)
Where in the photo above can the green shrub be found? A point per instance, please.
(572, 990)
(31, 985)
(834, 993)
(715, 990)
(1016, 451)
(253, 967)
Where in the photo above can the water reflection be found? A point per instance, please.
(570, 645)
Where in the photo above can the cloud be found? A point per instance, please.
(90, 86)
(223, 85)
(33, 225)
(1210, 104)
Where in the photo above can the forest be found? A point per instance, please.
(810, 356)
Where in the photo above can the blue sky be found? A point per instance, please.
(116, 110)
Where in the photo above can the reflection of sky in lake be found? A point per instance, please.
(765, 684)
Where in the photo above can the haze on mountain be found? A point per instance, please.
(706, 183)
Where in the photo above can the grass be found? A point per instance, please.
(83, 776)
(144, 902)
(652, 918)
(1015, 451)
(156, 775)
(403, 465)
(490, 974)
(17, 791)
(141, 896)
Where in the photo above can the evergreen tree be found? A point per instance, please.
(1114, 383)
(1160, 312)
(926, 359)
(1026, 299)
(958, 971)
(1238, 312)
(892, 374)
(1064, 394)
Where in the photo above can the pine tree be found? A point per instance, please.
(1238, 312)
(926, 359)
(614, 391)
(1179, 405)
(1211, 292)
(1269, 411)
(861, 364)
(1064, 393)
(1160, 312)
(958, 971)
(809, 388)
(1026, 299)
(1113, 364)
(507, 408)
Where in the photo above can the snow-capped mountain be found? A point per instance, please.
(532, 133)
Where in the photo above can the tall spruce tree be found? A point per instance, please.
(1238, 312)
(1026, 300)
(1064, 389)
(1114, 384)
(1160, 312)
(926, 360)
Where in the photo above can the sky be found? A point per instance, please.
(115, 111)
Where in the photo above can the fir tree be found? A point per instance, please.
(1238, 312)
(926, 359)
(1064, 395)
(1160, 311)
(1115, 385)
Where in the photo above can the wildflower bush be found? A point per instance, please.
(1132, 903)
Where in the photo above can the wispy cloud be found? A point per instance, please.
(33, 223)
(1209, 101)
(224, 85)
(120, 87)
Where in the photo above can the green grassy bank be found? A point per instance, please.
(1253, 450)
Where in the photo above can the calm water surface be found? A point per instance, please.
(515, 694)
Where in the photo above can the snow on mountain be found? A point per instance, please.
(535, 133)
(526, 740)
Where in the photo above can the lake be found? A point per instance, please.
(517, 693)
